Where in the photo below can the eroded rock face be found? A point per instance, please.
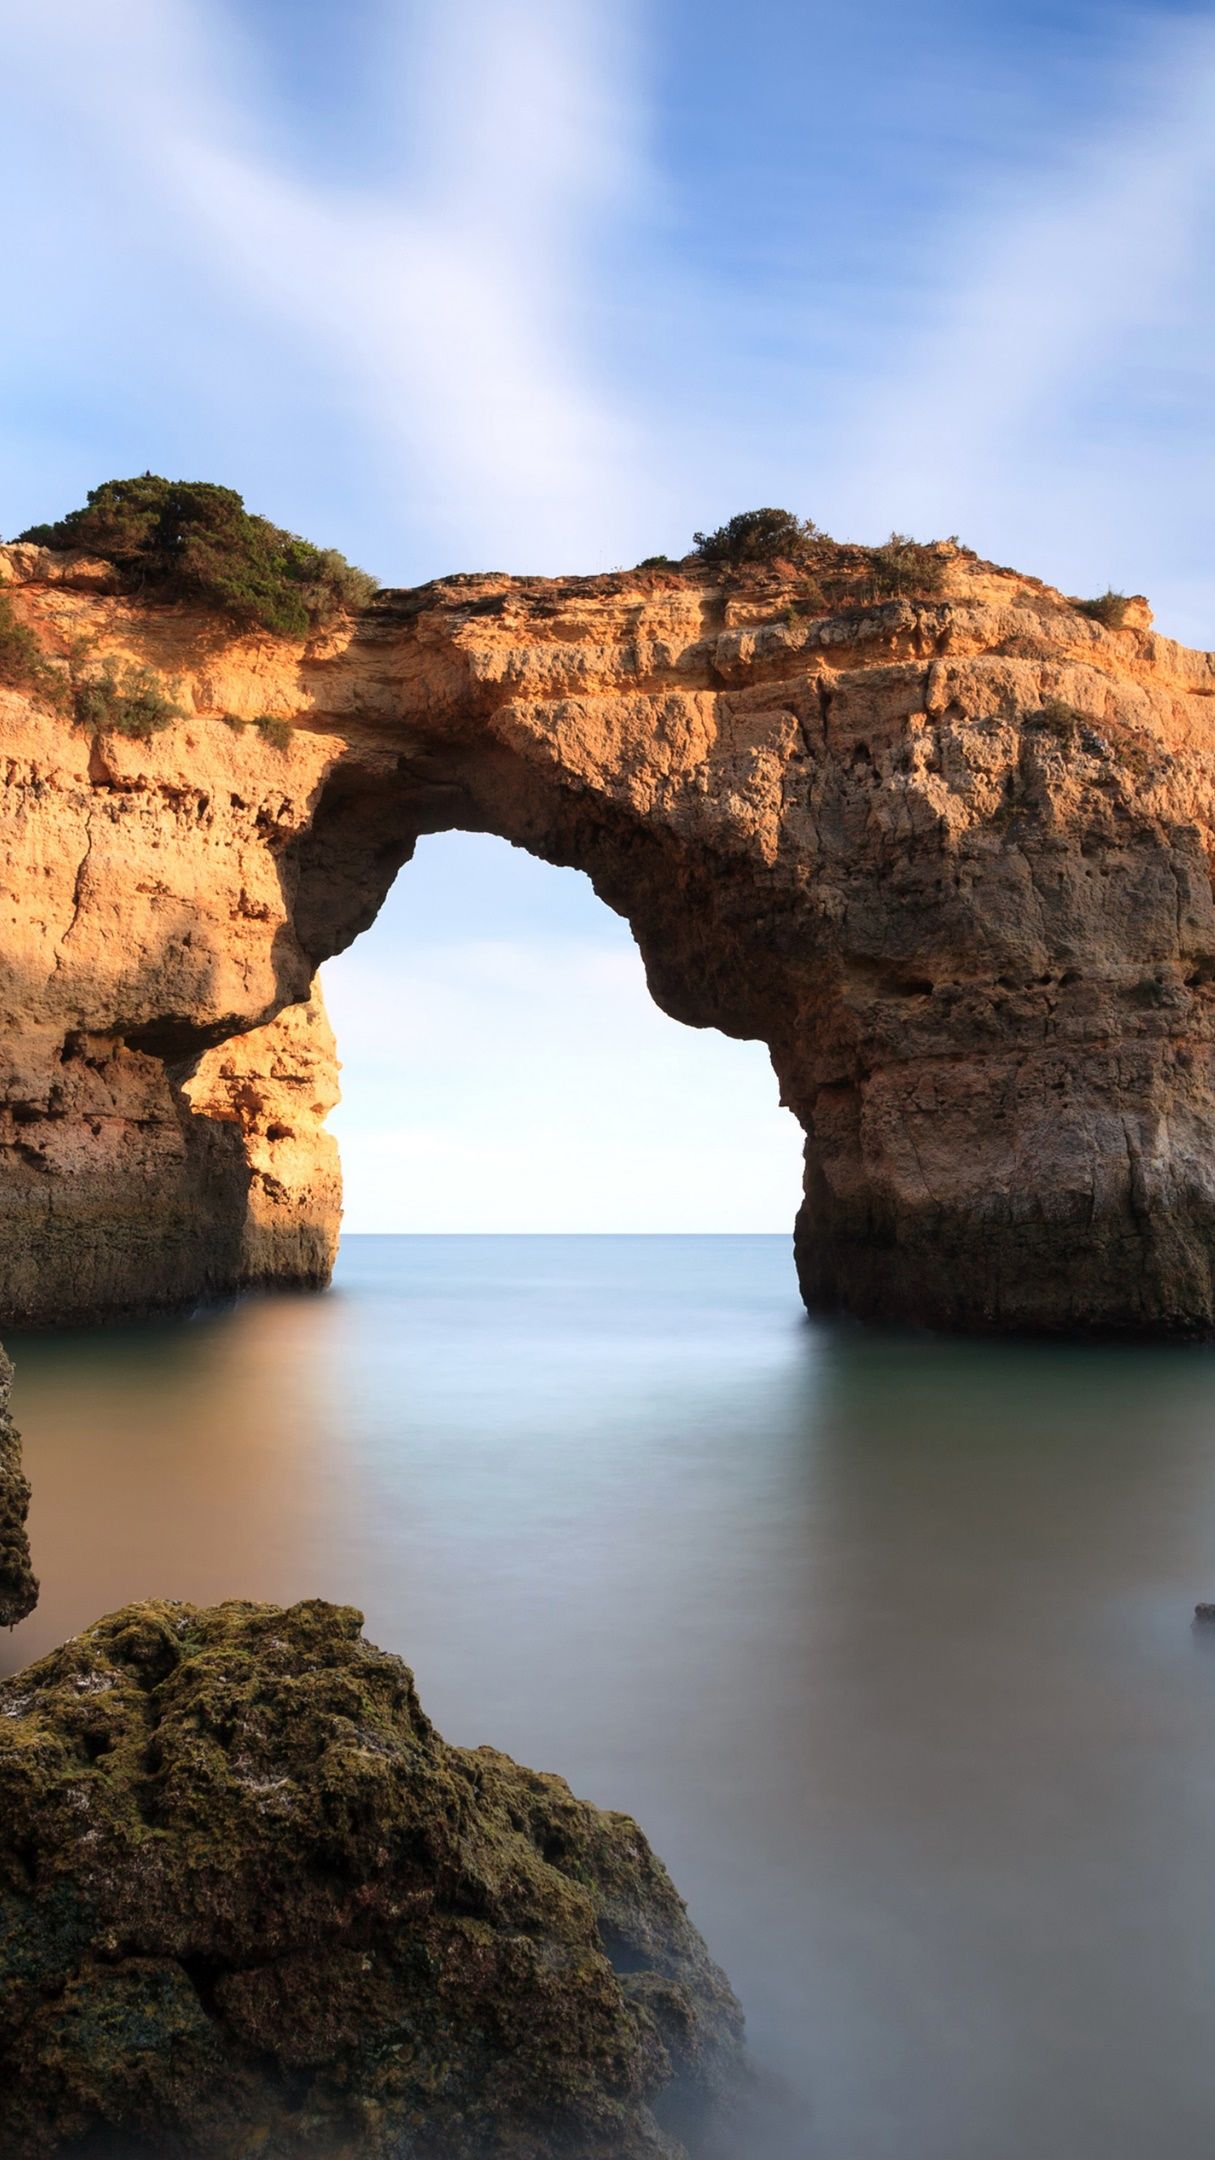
(950, 859)
(157, 1144)
(18, 1589)
(250, 1900)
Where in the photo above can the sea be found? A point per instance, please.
(886, 1640)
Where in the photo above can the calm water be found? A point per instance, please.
(886, 1641)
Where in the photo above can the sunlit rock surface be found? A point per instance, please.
(251, 1902)
(949, 858)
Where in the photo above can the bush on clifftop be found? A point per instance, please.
(190, 540)
(758, 536)
(845, 575)
(1109, 608)
(905, 568)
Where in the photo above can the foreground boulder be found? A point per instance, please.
(18, 1588)
(251, 1902)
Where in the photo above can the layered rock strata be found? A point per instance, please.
(250, 1900)
(949, 858)
(18, 1589)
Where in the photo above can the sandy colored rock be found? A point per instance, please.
(18, 1589)
(948, 857)
(250, 1901)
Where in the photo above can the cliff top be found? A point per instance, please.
(193, 542)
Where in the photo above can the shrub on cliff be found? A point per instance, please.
(903, 568)
(1109, 609)
(758, 536)
(123, 699)
(23, 664)
(1056, 717)
(190, 540)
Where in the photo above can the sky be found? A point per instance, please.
(544, 285)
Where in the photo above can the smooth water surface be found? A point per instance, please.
(886, 1641)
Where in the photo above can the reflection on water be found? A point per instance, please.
(886, 1641)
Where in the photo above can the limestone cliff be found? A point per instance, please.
(949, 857)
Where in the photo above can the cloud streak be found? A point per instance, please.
(456, 309)
(527, 338)
(1054, 289)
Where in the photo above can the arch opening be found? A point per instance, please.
(505, 1068)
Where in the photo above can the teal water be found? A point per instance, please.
(886, 1640)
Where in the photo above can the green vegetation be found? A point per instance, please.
(189, 540)
(845, 576)
(23, 664)
(758, 536)
(1109, 608)
(123, 699)
(656, 562)
(1059, 719)
(275, 731)
(233, 720)
(903, 568)
(119, 698)
(812, 599)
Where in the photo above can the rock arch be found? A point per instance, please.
(949, 859)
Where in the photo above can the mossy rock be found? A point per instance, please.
(250, 1901)
(18, 1589)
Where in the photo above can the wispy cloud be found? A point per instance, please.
(1093, 260)
(547, 337)
(457, 308)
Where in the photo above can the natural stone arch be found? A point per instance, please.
(948, 859)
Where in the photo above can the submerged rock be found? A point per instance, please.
(251, 1902)
(18, 1588)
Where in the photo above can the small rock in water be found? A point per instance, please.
(1204, 1612)
(249, 1897)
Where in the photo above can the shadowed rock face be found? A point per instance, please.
(18, 1589)
(249, 1899)
(949, 859)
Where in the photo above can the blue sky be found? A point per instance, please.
(545, 285)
